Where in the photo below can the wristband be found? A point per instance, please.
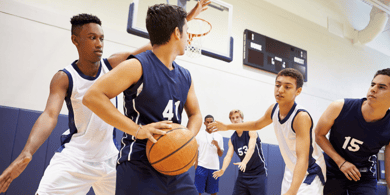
(140, 126)
(342, 164)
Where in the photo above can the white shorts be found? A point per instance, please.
(315, 188)
(67, 175)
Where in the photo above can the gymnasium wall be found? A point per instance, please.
(35, 44)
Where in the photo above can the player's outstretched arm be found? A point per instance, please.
(40, 131)
(251, 149)
(246, 126)
(302, 124)
(226, 161)
(387, 164)
(193, 111)
(321, 130)
(98, 96)
(201, 6)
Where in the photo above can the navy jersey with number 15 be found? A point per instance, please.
(160, 94)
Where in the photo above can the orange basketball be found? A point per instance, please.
(175, 152)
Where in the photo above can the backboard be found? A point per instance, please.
(217, 44)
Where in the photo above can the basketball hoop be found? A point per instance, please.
(197, 28)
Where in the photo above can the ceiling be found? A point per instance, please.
(348, 15)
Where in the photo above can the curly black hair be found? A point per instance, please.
(78, 21)
(291, 72)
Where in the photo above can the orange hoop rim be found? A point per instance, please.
(192, 35)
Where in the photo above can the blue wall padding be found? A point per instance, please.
(275, 170)
(8, 123)
(28, 181)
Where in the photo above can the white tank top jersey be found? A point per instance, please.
(88, 138)
(208, 153)
(286, 137)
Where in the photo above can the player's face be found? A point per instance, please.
(236, 118)
(208, 121)
(184, 38)
(286, 89)
(91, 42)
(379, 92)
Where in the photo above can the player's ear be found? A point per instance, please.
(299, 90)
(177, 33)
(74, 40)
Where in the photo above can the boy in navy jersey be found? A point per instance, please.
(156, 90)
(359, 128)
(252, 175)
(305, 166)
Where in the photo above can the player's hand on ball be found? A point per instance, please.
(350, 171)
(13, 171)
(147, 131)
(218, 173)
(241, 166)
(217, 126)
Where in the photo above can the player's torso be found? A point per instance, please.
(89, 136)
(286, 137)
(355, 139)
(159, 95)
(208, 152)
(256, 164)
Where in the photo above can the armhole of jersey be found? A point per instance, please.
(301, 110)
(107, 64)
(342, 110)
(273, 110)
(70, 86)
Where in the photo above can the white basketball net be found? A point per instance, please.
(197, 28)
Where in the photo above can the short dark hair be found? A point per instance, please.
(385, 71)
(78, 21)
(291, 72)
(208, 116)
(161, 21)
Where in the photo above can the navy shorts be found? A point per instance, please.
(140, 178)
(251, 185)
(337, 186)
(204, 180)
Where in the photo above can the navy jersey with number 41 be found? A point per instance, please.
(356, 140)
(256, 165)
(159, 95)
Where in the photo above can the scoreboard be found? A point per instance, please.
(272, 55)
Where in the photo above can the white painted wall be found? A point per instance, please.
(35, 44)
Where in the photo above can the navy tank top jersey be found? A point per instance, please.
(160, 94)
(256, 165)
(356, 140)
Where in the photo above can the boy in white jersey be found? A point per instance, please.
(305, 166)
(89, 146)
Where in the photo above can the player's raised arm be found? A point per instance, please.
(201, 6)
(193, 111)
(251, 148)
(321, 130)
(302, 124)
(226, 161)
(97, 99)
(41, 130)
(264, 121)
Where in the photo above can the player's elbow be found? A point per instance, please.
(88, 98)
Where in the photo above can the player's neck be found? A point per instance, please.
(284, 109)
(239, 133)
(166, 54)
(87, 67)
(372, 113)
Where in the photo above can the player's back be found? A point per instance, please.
(256, 164)
(159, 95)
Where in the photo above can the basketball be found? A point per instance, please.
(175, 152)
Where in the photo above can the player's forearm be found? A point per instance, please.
(40, 132)
(299, 174)
(101, 105)
(248, 155)
(220, 152)
(327, 147)
(194, 123)
(226, 162)
(246, 126)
